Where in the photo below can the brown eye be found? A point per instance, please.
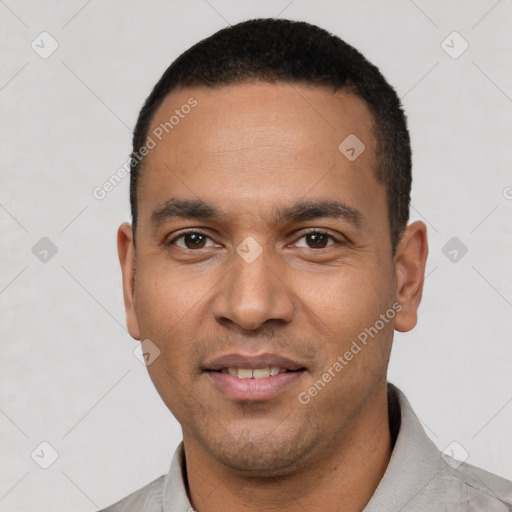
(315, 240)
(193, 240)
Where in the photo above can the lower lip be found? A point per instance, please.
(254, 389)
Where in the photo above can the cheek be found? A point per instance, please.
(166, 297)
(353, 339)
(346, 300)
(169, 310)
(343, 309)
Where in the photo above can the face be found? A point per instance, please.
(262, 255)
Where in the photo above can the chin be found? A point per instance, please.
(262, 456)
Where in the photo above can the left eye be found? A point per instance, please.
(315, 240)
(193, 240)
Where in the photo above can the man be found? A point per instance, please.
(268, 264)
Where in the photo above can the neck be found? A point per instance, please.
(343, 477)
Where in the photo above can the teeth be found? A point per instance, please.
(244, 373)
(261, 373)
(257, 373)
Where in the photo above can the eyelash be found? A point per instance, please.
(304, 234)
(183, 235)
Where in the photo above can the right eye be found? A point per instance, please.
(192, 240)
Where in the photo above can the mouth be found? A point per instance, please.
(253, 378)
(255, 373)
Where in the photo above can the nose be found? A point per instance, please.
(253, 294)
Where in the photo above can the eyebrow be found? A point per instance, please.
(310, 210)
(299, 211)
(184, 208)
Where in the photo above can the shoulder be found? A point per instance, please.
(420, 477)
(146, 499)
(482, 490)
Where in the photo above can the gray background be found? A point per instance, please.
(68, 373)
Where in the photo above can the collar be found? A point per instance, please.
(415, 460)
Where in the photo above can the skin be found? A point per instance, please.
(249, 150)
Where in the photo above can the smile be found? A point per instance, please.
(254, 373)
(250, 377)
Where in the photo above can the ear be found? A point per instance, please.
(126, 252)
(410, 260)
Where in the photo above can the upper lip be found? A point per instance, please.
(252, 361)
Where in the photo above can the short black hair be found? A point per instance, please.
(277, 50)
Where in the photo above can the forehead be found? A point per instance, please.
(301, 114)
(256, 142)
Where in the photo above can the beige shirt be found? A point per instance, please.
(418, 477)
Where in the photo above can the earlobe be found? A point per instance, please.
(411, 258)
(126, 253)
